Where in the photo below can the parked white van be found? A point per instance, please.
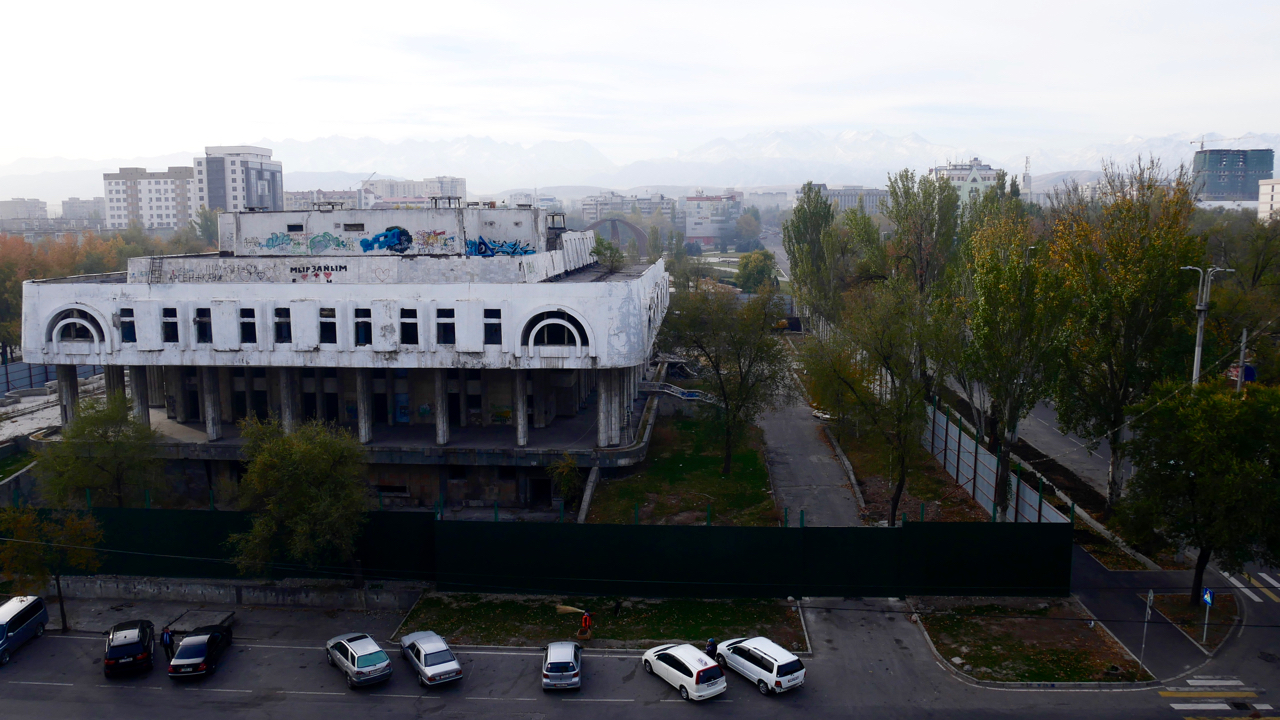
(762, 661)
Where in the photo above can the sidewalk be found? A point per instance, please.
(1118, 600)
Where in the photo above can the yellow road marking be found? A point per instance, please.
(1208, 694)
(1259, 585)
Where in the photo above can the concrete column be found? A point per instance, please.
(155, 386)
(602, 410)
(539, 398)
(139, 383)
(615, 406)
(114, 377)
(485, 377)
(68, 392)
(389, 385)
(179, 392)
(287, 379)
(442, 406)
(211, 399)
(521, 408)
(364, 404)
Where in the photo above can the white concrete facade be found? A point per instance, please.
(970, 179)
(152, 200)
(1268, 200)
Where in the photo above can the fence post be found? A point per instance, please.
(933, 423)
(921, 512)
(973, 481)
(146, 496)
(708, 514)
(801, 517)
(959, 442)
(904, 518)
(946, 437)
(1017, 494)
(1073, 514)
(637, 513)
(786, 520)
(1040, 503)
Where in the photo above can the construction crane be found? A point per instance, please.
(1202, 140)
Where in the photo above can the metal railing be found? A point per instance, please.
(679, 392)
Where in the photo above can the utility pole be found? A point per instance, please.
(1202, 311)
(1244, 340)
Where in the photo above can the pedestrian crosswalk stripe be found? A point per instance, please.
(1200, 706)
(1262, 587)
(1261, 706)
(1213, 683)
(1244, 589)
(1269, 579)
(1207, 694)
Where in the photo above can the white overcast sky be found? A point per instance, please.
(636, 79)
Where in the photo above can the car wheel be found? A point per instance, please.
(422, 681)
(40, 630)
(4, 657)
(329, 656)
(351, 683)
(647, 667)
(684, 692)
(720, 660)
(764, 687)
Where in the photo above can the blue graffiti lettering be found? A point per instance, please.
(489, 248)
(395, 238)
(276, 240)
(325, 241)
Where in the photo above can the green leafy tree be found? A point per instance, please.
(867, 363)
(925, 211)
(105, 450)
(755, 271)
(567, 477)
(307, 493)
(1117, 261)
(206, 224)
(608, 255)
(736, 343)
(633, 250)
(39, 545)
(747, 226)
(655, 244)
(1207, 474)
(802, 240)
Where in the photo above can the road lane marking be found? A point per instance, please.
(32, 682)
(306, 692)
(216, 690)
(1269, 579)
(494, 652)
(1200, 706)
(1262, 587)
(1213, 683)
(415, 697)
(596, 700)
(503, 698)
(1208, 694)
(1262, 706)
(1243, 589)
(285, 647)
(134, 687)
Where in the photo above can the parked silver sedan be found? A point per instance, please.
(359, 658)
(432, 660)
(562, 666)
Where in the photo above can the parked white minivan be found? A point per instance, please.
(687, 668)
(762, 661)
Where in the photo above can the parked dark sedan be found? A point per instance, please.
(130, 648)
(200, 651)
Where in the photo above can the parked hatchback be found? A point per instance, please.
(359, 658)
(687, 668)
(21, 619)
(130, 647)
(432, 660)
(770, 666)
(200, 651)
(562, 666)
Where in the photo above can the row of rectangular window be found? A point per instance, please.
(446, 333)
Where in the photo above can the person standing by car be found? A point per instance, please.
(711, 647)
(166, 641)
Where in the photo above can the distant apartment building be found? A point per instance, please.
(1231, 174)
(546, 202)
(596, 207)
(970, 179)
(768, 200)
(237, 178)
(1268, 200)
(308, 199)
(711, 217)
(853, 196)
(656, 203)
(374, 191)
(151, 200)
(23, 208)
(516, 199)
(89, 210)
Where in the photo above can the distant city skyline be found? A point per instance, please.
(638, 86)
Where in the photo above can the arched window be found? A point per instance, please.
(72, 325)
(554, 327)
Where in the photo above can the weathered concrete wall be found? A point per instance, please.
(398, 596)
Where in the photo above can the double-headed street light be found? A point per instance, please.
(1202, 310)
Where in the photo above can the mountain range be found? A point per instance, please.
(785, 158)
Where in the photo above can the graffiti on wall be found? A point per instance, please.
(490, 248)
(395, 238)
(221, 272)
(315, 273)
(435, 242)
(326, 241)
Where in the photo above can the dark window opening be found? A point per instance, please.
(353, 227)
(248, 326)
(492, 330)
(204, 326)
(169, 326)
(328, 326)
(284, 326)
(445, 334)
(364, 327)
(554, 334)
(128, 332)
(408, 327)
(294, 228)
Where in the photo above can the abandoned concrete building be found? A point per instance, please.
(467, 347)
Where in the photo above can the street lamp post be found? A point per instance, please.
(1202, 311)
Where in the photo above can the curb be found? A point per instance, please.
(848, 468)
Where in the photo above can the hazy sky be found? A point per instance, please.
(636, 79)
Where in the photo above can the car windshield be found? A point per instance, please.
(439, 657)
(126, 650)
(190, 651)
(790, 668)
(374, 658)
(560, 667)
(712, 673)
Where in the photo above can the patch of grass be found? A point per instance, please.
(927, 483)
(530, 620)
(1103, 550)
(1026, 640)
(14, 463)
(681, 477)
(1190, 618)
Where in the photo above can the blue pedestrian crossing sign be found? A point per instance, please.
(1208, 597)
